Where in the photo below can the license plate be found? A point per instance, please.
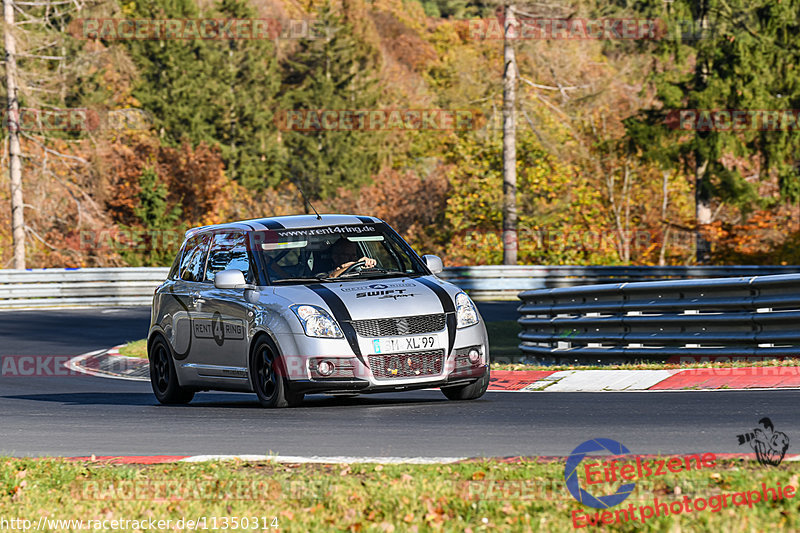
(405, 344)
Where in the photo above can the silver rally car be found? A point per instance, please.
(288, 306)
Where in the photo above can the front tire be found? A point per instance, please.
(468, 392)
(163, 377)
(268, 377)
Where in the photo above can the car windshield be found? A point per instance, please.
(328, 253)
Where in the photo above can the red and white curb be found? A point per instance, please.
(684, 379)
(109, 364)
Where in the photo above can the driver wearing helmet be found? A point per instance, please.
(342, 254)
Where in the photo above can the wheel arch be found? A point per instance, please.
(274, 345)
(157, 333)
(152, 336)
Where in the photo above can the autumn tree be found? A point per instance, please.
(721, 56)
(329, 73)
(220, 92)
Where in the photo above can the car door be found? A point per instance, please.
(183, 294)
(222, 330)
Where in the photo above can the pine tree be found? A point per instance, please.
(328, 73)
(249, 78)
(157, 219)
(221, 92)
(738, 55)
(153, 210)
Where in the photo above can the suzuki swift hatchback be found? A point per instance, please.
(289, 306)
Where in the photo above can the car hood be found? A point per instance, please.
(383, 298)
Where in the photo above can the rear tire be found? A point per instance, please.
(268, 376)
(468, 392)
(163, 377)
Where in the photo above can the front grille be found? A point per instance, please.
(407, 365)
(407, 325)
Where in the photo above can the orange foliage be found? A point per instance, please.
(765, 237)
(412, 205)
(194, 177)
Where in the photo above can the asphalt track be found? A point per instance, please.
(76, 416)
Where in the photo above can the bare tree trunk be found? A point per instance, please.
(629, 236)
(662, 256)
(702, 209)
(14, 152)
(509, 140)
(622, 213)
(702, 204)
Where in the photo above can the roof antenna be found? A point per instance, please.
(303, 195)
(311, 206)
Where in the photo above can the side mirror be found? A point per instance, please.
(230, 279)
(434, 263)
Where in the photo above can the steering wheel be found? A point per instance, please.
(357, 264)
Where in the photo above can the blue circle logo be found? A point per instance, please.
(571, 476)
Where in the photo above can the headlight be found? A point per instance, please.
(316, 321)
(466, 314)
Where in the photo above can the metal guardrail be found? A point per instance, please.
(732, 317)
(487, 282)
(79, 287)
(134, 286)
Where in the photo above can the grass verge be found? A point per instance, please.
(135, 349)
(472, 496)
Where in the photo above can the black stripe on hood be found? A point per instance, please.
(340, 314)
(448, 306)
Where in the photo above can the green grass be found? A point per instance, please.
(369, 497)
(135, 349)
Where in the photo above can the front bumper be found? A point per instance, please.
(363, 386)
(363, 372)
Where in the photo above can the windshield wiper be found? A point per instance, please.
(385, 271)
(372, 272)
(295, 280)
